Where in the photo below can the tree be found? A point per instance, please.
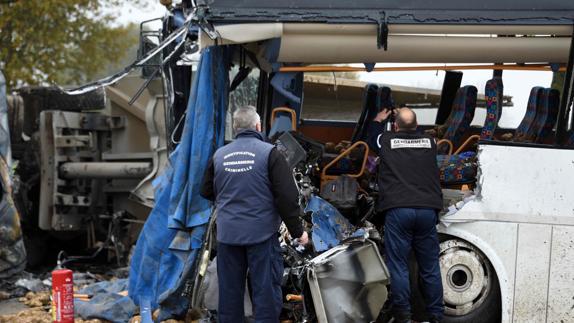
(60, 41)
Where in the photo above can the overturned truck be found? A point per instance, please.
(85, 164)
(505, 231)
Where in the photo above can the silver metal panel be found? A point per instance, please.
(348, 283)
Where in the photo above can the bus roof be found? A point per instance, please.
(544, 12)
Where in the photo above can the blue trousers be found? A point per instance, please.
(265, 264)
(409, 229)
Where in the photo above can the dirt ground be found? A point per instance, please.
(35, 308)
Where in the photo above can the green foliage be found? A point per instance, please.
(558, 81)
(61, 41)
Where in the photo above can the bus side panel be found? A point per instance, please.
(532, 269)
(530, 187)
(561, 290)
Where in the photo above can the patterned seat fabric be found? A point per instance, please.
(546, 115)
(461, 116)
(457, 169)
(493, 94)
(525, 129)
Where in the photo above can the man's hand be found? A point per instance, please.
(303, 239)
(383, 115)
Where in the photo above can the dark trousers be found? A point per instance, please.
(265, 265)
(406, 229)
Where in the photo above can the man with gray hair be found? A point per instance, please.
(410, 198)
(253, 190)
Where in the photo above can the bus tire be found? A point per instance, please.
(470, 284)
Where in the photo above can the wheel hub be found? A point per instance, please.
(464, 278)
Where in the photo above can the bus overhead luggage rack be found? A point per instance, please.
(329, 32)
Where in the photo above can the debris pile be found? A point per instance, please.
(91, 294)
(39, 304)
(39, 299)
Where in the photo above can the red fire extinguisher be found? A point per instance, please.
(62, 296)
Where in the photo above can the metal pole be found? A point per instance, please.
(562, 123)
(334, 68)
(105, 170)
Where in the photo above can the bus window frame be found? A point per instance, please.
(566, 98)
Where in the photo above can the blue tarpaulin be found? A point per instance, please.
(165, 252)
(106, 303)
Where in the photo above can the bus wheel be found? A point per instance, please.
(471, 289)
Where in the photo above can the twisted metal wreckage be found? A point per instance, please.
(342, 276)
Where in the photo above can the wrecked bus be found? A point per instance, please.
(506, 250)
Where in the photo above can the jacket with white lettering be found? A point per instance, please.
(408, 173)
(253, 189)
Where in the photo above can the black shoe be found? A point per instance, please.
(402, 317)
(434, 319)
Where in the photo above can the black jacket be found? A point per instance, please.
(283, 188)
(408, 172)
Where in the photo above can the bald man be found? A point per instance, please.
(410, 197)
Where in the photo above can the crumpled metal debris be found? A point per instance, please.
(330, 227)
(33, 285)
(455, 201)
(178, 35)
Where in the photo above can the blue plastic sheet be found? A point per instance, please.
(105, 302)
(112, 307)
(115, 286)
(165, 253)
(330, 227)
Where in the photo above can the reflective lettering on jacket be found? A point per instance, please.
(411, 143)
(246, 213)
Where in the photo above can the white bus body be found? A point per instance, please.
(522, 220)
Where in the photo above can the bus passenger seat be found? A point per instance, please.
(546, 115)
(461, 115)
(282, 119)
(368, 113)
(493, 95)
(457, 169)
(525, 129)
